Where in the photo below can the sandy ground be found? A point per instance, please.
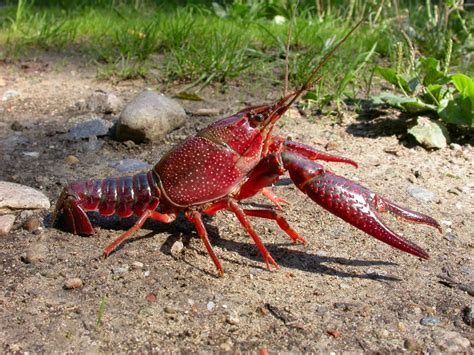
(345, 291)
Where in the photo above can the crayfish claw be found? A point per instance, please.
(408, 215)
(354, 203)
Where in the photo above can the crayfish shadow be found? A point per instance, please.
(183, 230)
(304, 261)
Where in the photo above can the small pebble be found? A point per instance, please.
(232, 319)
(151, 297)
(255, 271)
(331, 146)
(227, 345)
(35, 253)
(429, 321)
(10, 94)
(210, 305)
(206, 112)
(6, 224)
(104, 102)
(32, 224)
(32, 154)
(401, 327)
(177, 249)
(334, 333)
(455, 146)
(146, 273)
(412, 344)
(170, 310)
(468, 316)
(121, 269)
(136, 265)
(420, 194)
(73, 283)
(71, 160)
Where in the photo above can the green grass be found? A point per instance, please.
(203, 42)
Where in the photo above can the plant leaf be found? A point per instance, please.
(465, 85)
(184, 95)
(389, 74)
(409, 104)
(458, 111)
(430, 67)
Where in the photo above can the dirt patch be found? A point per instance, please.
(344, 292)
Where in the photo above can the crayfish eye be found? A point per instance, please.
(259, 117)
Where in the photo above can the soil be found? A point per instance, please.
(345, 291)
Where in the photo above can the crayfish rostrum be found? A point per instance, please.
(233, 159)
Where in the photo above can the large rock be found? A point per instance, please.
(149, 117)
(15, 196)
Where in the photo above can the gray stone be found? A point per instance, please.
(15, 196)
(468, 316)
(10, 94)
(430, 321)
(104, 102)
(177, 249)
(95, 127)
(91, 145)
(149, 117)
(6, 224)
(32, 154)
(420, 193)
(121, 269)
(128, 165)
(451, 342)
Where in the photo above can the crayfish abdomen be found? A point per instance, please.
(125, 196)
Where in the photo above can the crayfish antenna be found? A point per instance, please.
(285, 103)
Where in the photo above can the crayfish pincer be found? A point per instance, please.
(233, 159)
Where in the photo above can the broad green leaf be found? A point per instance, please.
(458, 111)
(184, 95)
(388, 74)
(409, 104)
(430, 134)
(392, 77)
(430, 68)
(436, 91)
(465, 85)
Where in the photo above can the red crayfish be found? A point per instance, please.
(233, 159)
